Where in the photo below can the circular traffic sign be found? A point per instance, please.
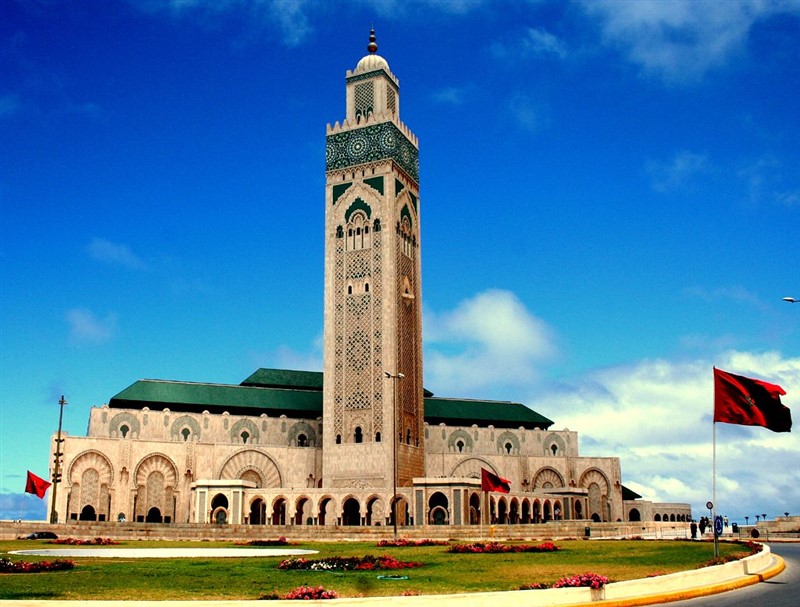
(709, 505)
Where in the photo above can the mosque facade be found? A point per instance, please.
(287, 447)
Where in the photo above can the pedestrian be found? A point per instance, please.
(693, 527)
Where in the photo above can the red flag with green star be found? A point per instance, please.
(749, 402)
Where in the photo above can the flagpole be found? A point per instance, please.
(714, 475)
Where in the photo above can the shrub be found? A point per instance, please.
(406, 543)
(497, 548)
(534, 586)
(281, 541)
(98, 541)
(309, 593)
(8, 566)
(350, 563)
(583, 580)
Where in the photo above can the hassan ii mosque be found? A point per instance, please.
(308, 448)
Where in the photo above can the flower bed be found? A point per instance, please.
(98, 541)
(8, 566)
(309, 593)
(350, 563)
(498, 548)
(584, 580)
(405, 543)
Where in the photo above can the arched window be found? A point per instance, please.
(554, 448)
(302, 440)
(408, 436)
(349, 289)
(460, 445)
(123, 430)
(358, 437)
(377, 437)
(366, 287)
(508, 447)
(186, 433)
(245, 435)
(338, 439)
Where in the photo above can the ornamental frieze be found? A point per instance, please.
(370, 144)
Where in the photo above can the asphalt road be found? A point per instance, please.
(781, 591)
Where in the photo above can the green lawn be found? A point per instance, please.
(251, 578)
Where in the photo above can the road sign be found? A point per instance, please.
(718, 525)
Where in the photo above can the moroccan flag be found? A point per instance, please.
(749, 402)
(492, 482)
(37, 486)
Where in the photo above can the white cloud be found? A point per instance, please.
(681, 40)
(657, 417)
(489, 339)
(290, 18)
(449, 95)
(678, 172)
(539, 41)
(114, 254)
(767, 180)
(527, 113)
(85, 327)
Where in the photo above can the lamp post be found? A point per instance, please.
(392, 504)
(57, 468)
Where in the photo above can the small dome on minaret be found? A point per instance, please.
(373, 61)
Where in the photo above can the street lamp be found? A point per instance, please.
(393, 504)
(57, 468)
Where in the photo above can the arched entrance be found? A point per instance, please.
(548, 513)
(302, 512)
(219, 509)
(351, 513)
(474, 509)
(634, 515)
(88, 514)
(438, 505)
(537, 511)
(401, 510)
(375, 511)
(325, 508)
(526, 512)
(153, 516)
(513, 512)
(578, 509)
(502, 516)
(258, 512)
(279, 511)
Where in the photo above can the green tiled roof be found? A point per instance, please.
(216, 398)
(629, 494)
(500, 414)
(298, 394)
(283, 378)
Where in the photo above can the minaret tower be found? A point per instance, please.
(373, 417)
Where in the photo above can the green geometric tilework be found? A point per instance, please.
(339, 189)
(376, 183)
(370, 144)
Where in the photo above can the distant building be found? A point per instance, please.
(307, 448)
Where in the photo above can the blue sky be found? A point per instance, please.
(610, 207)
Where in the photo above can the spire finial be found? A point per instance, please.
(372, 47)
